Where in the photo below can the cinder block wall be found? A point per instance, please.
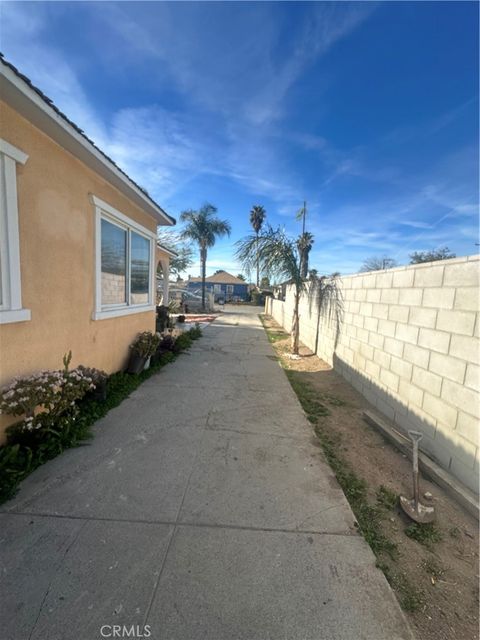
(408, 340)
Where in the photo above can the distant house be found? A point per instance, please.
(222, 285)
(78, 242)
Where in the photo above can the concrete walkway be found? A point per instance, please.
(203, 508)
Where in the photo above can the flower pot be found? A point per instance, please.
(136, 363)
(99, 394)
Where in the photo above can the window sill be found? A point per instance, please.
(123, 311)
(15, 315)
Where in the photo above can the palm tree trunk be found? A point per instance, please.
(296, 324)
(203, 260)
(258, 266)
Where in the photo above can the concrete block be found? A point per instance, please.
(380, 311)
(393, 346)
(362, 335)
(366, 309)
(428, 276)
(462, 397)
(468, 427)
(389, 379)
(358, 320)
(384, 280)
(434, 340)
(403, 278)
(367, 351)
(472, 378)
(467, 298)
(410, 394)
(406, 333)
(447, 367)
(465, 348)
(461, 275)
(417, 420)
(372, 369)
(401, 367)
(416, 355)
(440, 410)
(438, 298)
(390, 296)
(476, 331)
(376, 340)
(460, 448)
(386, 328)
(371, 324)
(423, 317)
(462, 322)
(373, 295)
(398, 313)
(427, 380)
(469, 477)
(385, 408)
(412, 297)
(381, 358)
(369, 281)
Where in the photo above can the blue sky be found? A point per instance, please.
(369, 111)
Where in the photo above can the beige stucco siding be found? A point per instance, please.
(57, 246)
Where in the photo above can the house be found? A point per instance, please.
(78, 250)
(222, 285)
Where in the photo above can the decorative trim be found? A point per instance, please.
(15, 315)
(103, 210)
(122, 311)
(12, 152)
(11, 309)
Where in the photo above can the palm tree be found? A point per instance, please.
(204, 227)
(257, 217)
(280, 256)
(304, 244)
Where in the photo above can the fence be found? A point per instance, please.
(408, 340)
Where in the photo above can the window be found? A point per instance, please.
(217, 288)
(229, 288)
(125, 269)
(10, 277)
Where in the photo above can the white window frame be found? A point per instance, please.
(106, 212)
(230, 288)
(11, 309)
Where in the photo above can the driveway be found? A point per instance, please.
(202, 509)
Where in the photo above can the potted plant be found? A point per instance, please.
(142, 349)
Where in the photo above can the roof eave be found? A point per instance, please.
(25, 99)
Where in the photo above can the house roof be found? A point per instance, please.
(19, 92)
(222, 277)
(169, 252)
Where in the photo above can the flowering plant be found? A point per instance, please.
(50, 393)
(145, 344)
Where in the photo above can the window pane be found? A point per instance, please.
(140, 269)
(114, 264)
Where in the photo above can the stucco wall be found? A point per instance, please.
(408, 340)
(56, 225)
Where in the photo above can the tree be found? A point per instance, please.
(172, 241)
(265, 282)
(240, 276)
(204, 227)
(257, 218)
(279, 255)
(378, 264)
(304, 244)
(442, 253)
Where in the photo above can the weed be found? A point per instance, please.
(426, 534)
(454, 532)
(411, 598)
(387, 498)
